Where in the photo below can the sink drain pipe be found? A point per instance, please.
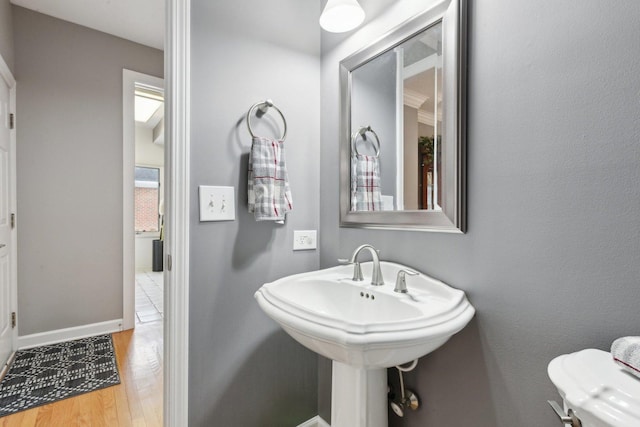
(408, 399)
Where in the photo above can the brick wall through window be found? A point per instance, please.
(146, 209)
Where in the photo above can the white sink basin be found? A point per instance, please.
(362, 325)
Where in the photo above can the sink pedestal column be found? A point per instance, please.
(358, 396)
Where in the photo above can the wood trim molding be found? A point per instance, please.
(414, 99)
(7, 76)
(68, 334)
(316, 421)
(177, 204)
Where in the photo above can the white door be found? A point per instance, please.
(6, 244)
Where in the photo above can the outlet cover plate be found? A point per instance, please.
(217, 203)
(304, 240)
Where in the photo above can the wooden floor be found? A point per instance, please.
(136, 401)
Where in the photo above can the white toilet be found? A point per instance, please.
(595, 391)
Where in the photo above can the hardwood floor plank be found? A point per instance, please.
(24, 418)
(122, 406)
(108, 402)
(44, 416)
(135, 404)
(63, 412)
(83, 410)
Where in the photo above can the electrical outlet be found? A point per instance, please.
(304, 240)
(217, 203)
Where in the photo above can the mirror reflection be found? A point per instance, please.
(402, 126)
(396, 122)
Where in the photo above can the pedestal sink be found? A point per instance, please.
(364, 329)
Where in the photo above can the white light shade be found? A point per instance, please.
(339, 16)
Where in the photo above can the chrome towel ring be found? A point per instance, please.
(263, 107)
(362, 132)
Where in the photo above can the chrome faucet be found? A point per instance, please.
(376, 276)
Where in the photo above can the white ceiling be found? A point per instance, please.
(141, 21)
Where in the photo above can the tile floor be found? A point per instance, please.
(149, 296)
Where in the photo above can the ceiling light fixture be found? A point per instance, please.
(340, 16)
(145, 108)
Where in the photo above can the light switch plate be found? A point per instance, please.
(217, 203)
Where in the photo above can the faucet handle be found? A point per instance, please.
(357, 270)
(401, 281)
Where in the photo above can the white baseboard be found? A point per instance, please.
(68, 334)
(316, 421)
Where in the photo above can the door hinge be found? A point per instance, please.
(11, 120)
(13, 319)
(169, 262)
(13, 220)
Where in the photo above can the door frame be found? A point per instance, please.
(129, 81)
(7, 76)
(177, 75)
(176, 201)
(177, 206)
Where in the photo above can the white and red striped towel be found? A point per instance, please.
(365, 183)
(626, 353)
(269, 195)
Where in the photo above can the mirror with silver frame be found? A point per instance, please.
(402, 130)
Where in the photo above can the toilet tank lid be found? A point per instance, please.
(596, 388)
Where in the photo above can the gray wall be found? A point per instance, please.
(69, 110)
(551, 257)
(244, 371)
(6, 33)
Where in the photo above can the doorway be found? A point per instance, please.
(149, 203)
(143, 220)
(143, 204)
(177, 236)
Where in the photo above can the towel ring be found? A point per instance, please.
(362, 132)
(263, 107)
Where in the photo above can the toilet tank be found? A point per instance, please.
(599, 392)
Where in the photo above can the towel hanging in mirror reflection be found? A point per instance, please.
(365, 175)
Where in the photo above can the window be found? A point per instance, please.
(147, 199)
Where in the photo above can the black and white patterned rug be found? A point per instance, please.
(54, 372)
